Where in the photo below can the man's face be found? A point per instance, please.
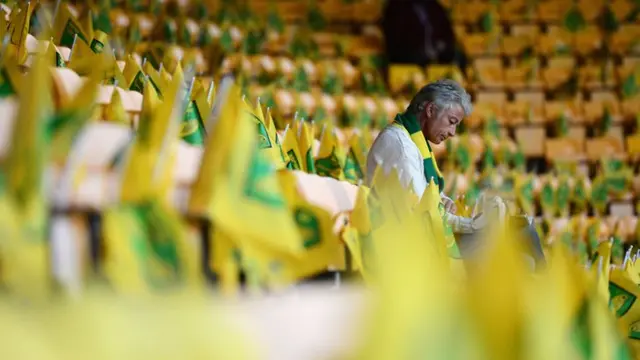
(438, 126)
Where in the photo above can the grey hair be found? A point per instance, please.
(444, 94)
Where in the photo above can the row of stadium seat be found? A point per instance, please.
(546, 11)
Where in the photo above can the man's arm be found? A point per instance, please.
(459, 224)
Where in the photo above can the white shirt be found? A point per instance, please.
(394, 148)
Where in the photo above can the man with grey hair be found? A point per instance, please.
(432, 116)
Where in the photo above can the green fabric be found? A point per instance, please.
(608, 20)
(599, 194)
(6, 88)
(563, 194)
(352, 170)
(563, 125)
(315, 18)
(192, 126)
(301, 80)
(329, 166)
(629, 87)
(274, 21)
(492, 127)
(573, 20)
(102, 21)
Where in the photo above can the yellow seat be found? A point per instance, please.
(489, 72)
(437, 72)
(555, 41)
(591, 9)
(604, 147)
(625, 39)
(531, 139)
(514, 45)
(523, 75)
(480, 44)
(628, 66)
(630, 107)
(527, 106)
(552, 11)
(572, 109)
(402, 75)
(595, 76)
(621, 8)
(564, 149)
(468, 11)
(588, 40)
(488, 104)
(289, 11)
(594, 110)
(558, 71)
(517, 11)
(367, 11)
(633, 145)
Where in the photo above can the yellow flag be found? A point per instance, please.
(624, 298)
(305, 143)
(600, 262)
(154, 77)
(133, 74)
(280, 158)
(330, 159)
(322, 246)
(291, 149)
(115, 111)
(24, 254)
(19, 29)
(247, 187)
(360, 243)
(72, 116)
(66, 27)
(405, 276)
(498, 312)
(149, 158)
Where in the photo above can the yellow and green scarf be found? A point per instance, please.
(410, 124)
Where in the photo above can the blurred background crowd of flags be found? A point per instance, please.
(154, 147)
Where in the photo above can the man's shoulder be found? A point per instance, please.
(395, 139)
(392, 134)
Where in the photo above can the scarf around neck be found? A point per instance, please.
(409, 122)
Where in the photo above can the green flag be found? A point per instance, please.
(300, 80)
(629, 86)
(563, 125)
(274, 21)
(548, 198)
(580, 196)
(599, 194)
(608, 20)
(492, 127)
(574, 20)
(315, 17)
(352, 170)
(563, 195)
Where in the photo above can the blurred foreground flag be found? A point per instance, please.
(237, 184)
(23, 249)
(107, 328)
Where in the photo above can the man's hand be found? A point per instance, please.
(449, 205)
